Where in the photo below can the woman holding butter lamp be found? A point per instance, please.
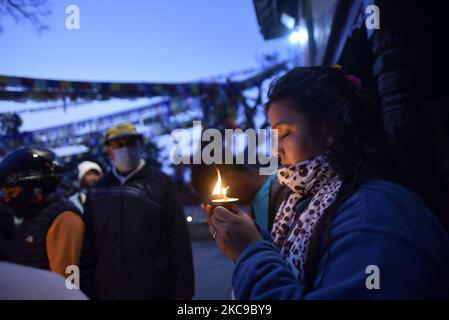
(348, 229)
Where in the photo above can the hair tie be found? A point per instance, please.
(356, 82)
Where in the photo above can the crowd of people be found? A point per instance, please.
(124, 230)
(337, 220)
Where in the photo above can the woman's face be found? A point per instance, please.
(297, 139)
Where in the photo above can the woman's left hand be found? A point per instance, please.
(234, 232)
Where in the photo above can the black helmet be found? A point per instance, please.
(31, 168)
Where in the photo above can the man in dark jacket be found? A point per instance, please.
(138, 242)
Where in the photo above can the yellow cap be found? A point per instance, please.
(122, 130)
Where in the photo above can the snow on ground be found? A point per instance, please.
(51, 118)
(70, 150)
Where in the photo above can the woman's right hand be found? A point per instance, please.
(233, 231)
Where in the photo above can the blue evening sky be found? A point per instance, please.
(138, 40)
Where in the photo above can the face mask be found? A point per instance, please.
(24, 204)
(127, 159)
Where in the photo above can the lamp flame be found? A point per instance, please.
(218, 189)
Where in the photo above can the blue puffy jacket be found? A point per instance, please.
(382, 225)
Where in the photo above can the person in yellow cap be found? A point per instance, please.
(124, 147)
(137, 244)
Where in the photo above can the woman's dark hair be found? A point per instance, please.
(361, 149)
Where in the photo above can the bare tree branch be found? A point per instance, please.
(32, 11)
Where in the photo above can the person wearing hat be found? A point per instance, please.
(138, 246)
(51, 232)
(88, 174)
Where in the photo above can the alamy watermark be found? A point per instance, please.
(72, 21)
(73, 280)
(373, 280)
(372, 21)
(261, 145)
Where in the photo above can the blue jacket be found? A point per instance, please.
(382, 224)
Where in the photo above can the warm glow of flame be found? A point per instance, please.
(218, 189)
(218, 185)
(224, 191)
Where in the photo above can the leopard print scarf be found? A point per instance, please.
(292, 231)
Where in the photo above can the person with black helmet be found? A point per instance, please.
(51, 233)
